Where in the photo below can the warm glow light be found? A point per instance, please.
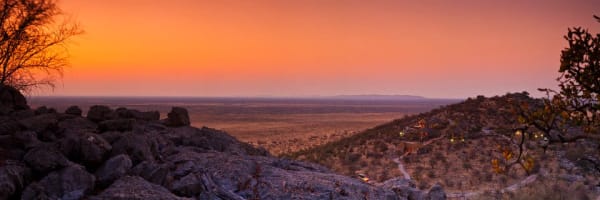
(293, 48)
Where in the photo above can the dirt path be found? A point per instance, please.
(398, 160)
(463, 195)
(401, 167)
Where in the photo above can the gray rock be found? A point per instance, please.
(41, 123)
(436, 192)
(14, 176)
(99, 113)
(72, 182)
(178, 117)
(77, 124)
(404, 188)
(211, 139)
(136, 114)
(139, 147)
(27, 138)
(113, 169)
(45, 158)
(41, 110)
(11, 99)
(74, 110)
(87, 148)
(9, 127)
(133, 187)
(113, 136)
(153, 172)
(116, 125)
(246, 177)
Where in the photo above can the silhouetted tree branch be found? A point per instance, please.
(33, 43)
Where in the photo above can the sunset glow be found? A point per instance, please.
(452, 49)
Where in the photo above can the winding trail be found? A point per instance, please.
(399, 162)
(466, 194)
(401, 167)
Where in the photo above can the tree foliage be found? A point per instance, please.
(566, 115)
(33, 40)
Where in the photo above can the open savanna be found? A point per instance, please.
(280, 125)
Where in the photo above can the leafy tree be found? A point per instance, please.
(566, 115)
(33, 40)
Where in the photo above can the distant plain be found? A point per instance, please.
(280, 125)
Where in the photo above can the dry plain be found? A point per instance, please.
(280, 125)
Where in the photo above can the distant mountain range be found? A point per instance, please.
(379, 97)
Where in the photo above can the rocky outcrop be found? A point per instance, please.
(14, 176)
(100, 113)
(72, 182)
(45, 158)
(74, 110)
(178, 117)
(113, 169)
(133, 187)
(11, 100)
(129, 154)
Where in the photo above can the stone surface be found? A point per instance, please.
(72, 182)
(436, 192)
(88, 149)
(41, 123)
(136, 114)
(45, 158)
(28, 139)
(133, 187)
(116, 125)
(74, 110)
(100, 113)
(139, 147)
(113, 169)
(11, 99)
(14, 176)
(178, 117)
(133, 155)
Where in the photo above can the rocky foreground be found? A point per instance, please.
(130, 154)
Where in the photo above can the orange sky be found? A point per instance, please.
(318, 47)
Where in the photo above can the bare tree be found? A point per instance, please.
(33, 41)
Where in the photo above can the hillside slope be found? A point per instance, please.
(454, 146)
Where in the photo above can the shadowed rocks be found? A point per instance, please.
(130, 154)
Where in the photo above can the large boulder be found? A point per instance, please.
(138, 146)
(404, 188)
(178, 117)
(116, 125)
(45, 158)
(74, 110)
(9, 126)
(77, 124)
(136, 114)
(133, 187)
(211, 139)
(11, 99)
(14, 176)
(436, 192)
(72, 182)
(153, 172)
(87, 148)
(113, 169)
(27, 139)
(216, 174)
(100, 113)
(41, 123)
